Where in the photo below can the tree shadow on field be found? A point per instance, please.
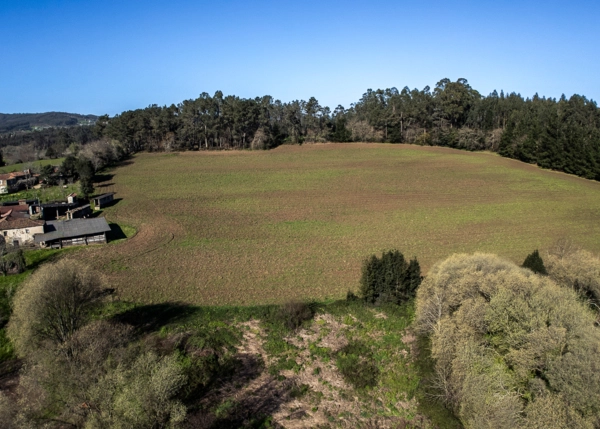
(241, 400)
(150, 318)
(123, 163)
(103, 177)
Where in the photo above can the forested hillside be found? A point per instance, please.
(25, 137)
(28, 121)
(561, 134)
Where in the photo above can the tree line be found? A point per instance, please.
(561, 134)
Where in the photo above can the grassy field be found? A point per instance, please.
(34, 164)
(44, 195)
(233, 228)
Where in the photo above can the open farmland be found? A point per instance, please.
(257, 227)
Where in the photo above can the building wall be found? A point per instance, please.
(103, 201)
(78, 241)
(24, 235)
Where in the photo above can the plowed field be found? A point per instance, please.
(297, 221)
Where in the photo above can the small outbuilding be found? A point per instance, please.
(51, 211)
(73, 232)
(79, 212)
(103, 200)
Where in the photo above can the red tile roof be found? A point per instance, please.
(11, 222)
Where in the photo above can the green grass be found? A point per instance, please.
(53, 193)
(301, 359)
(34, 164)
(242, 228)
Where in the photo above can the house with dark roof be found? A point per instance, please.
(19, 230)
(73, 232)
(20, 209)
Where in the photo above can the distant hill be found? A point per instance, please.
(11, 122)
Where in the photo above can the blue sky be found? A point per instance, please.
(109, 56)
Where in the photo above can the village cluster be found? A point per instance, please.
(50, 225)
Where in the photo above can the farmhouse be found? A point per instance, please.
(11, 182)
(73, 232)
(21, 209)
(18, 230)
(103, 200)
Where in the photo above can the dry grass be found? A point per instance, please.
(326, 400)
(296, 222)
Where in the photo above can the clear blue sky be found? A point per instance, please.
(92, 56)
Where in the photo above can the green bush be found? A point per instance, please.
(292, 314)
(355, 363)
(534, 262)
(389, 278)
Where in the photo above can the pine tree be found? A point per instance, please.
(535, 263)
(389, 278)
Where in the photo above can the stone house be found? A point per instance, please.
(11, 182)
(19, 230)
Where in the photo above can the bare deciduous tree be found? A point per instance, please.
(53, 304)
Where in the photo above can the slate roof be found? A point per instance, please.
(56, 229)
(104, 196)
(76, 209)
(57, 205)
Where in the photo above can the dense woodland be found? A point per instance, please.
(561, 134)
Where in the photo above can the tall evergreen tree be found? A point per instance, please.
(534, 262)
(389, 278)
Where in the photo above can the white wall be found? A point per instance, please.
(21, 234)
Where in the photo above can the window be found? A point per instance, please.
(4, 232)
(27, 231)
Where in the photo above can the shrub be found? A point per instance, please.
(510, 345)
(576, 269)
(53, 304)
(293, 313)
(139, 396)
(12, 261)
(355, 363)
(350, 296)
(389, 278)
(104, 381)
(534, 262)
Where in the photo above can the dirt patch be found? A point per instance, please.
(251, 394)
(315, 395)
(331, 401)
(410, 339)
